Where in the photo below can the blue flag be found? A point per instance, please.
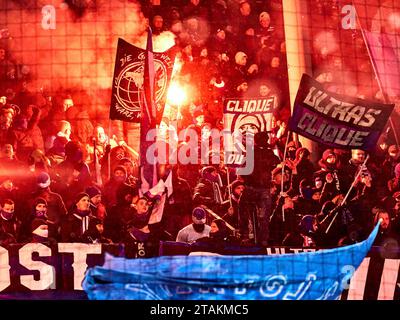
(321, 275)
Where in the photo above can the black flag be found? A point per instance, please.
(128, 81)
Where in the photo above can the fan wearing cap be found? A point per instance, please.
(78, 219)
(196, 230)
(56, 209)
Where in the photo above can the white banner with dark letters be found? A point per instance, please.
(243, 118)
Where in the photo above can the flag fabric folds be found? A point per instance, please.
(129, 83)
(337, 121)
(320, 275)
(385, 59)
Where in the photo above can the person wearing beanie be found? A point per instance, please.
(196, 230)
(234, 213)
(96, 206)
(43, 180)
(207, 191)
(78, 219)
(56, 208)
(120, 212)
(111, 186)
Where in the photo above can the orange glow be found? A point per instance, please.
(176, 94)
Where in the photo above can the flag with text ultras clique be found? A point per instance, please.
(335, 120)
(128, 82)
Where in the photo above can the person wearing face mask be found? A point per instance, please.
(56, 210)
(9, 224)
(77, 221)
(304, 203)
(307, 234)
(329, 175)
(39, 211)
(196, 230)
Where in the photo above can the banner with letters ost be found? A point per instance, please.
(61, 267)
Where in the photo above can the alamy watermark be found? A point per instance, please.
(166, 146)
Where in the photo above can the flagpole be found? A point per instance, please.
(283, 172)
(109, 153)
(384, 94)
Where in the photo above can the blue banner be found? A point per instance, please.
(320, 275)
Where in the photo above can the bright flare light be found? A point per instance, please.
(176, 95)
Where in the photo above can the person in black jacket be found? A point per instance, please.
(77, 221)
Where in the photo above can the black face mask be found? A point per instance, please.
(198, 227)
(7, 215)
(291, 154)
(217, 235)
(307, 193)
(41, 214)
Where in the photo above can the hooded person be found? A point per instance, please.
(77, 220)
(120, 213)
(307, 234)
(303, 167)
(304, 203)
(196, 230)
(207, 192)
(329, 174)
